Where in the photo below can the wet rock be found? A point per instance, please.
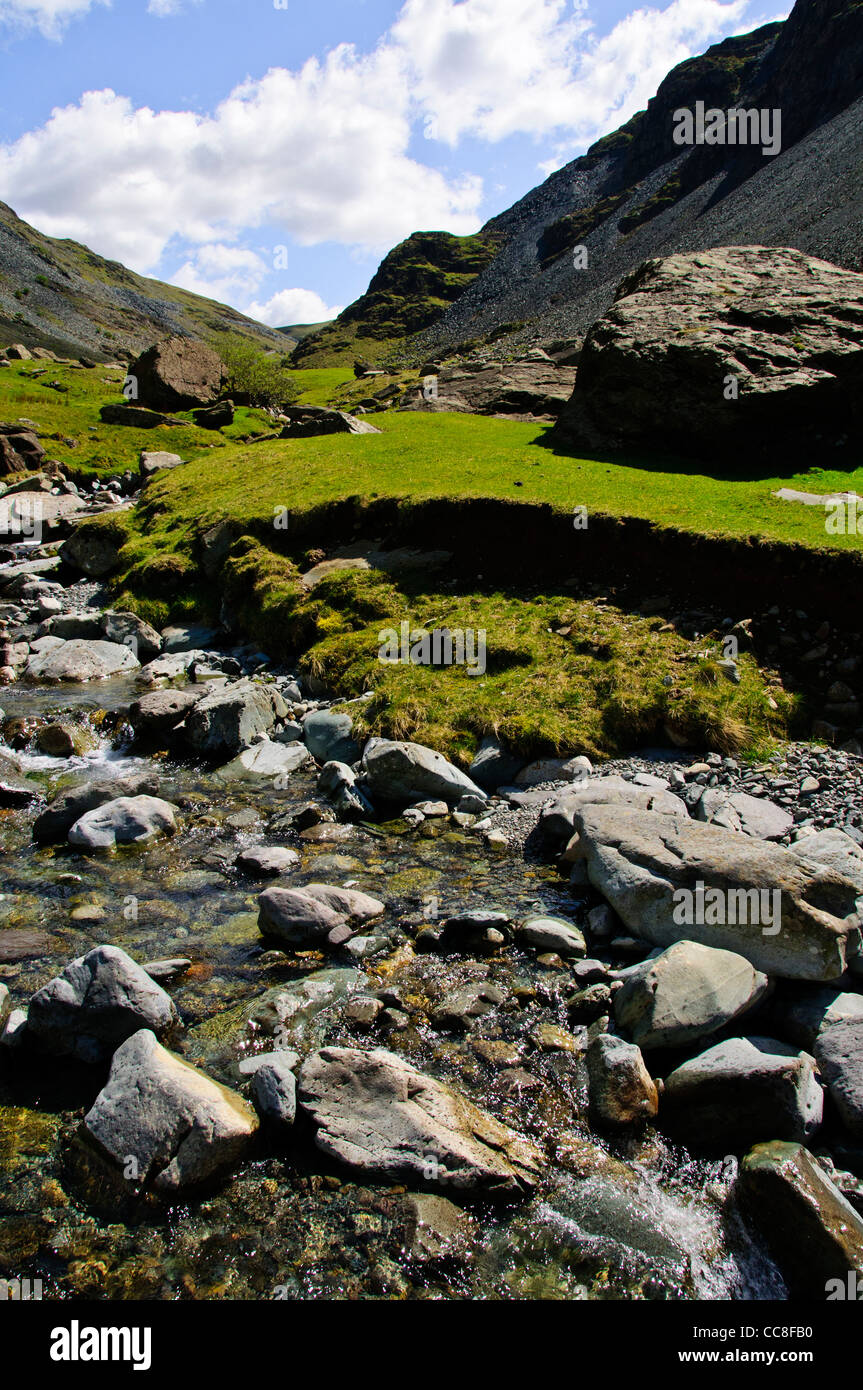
(15, 788)
(622, 1091)
(300, 916)
(743, 1092)
(378, 1114)
(5, 1006)
(177, 1124)
(274, 1090)
(130, 820)
(229, 720)
(98, 1002)
(166, 972)
(329, 736)
(459, 1010)
(638, 860)
(815, 1235)
(408, 772)
(267, 861)
(435, 1228)
(552, 934)
(298, 1015)
(54, 824)
(62, 740)
(839, 1052)
(686, 993)
(478, 931)
(589, 1004)
(81, 661)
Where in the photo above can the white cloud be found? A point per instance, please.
(293, 306)
(165, 8)
(320, 154)
(49, 17)
(495, 68)
(221, 272)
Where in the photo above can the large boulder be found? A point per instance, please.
(130, 820)
(743, 1092)
(157, 714)
(98, 1002)
(267, 762)
(55, 822)
(94, 550)
(176, 1124)
(622, 1091)
(80, 661)
(329, 736)
(652, 867)
(781, 329)
(177, 374)
(686, 993)
(401, 772)
(812, 1231)
(231, 718)
(376, 1113)
(133, 632)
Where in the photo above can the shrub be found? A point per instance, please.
(254, 375)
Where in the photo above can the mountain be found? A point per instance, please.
(636, 194)
(411, 288)
(60, 295)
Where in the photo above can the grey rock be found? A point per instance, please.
(130, 820)
(839, 1053)
(812, 1231)
(81, 661)
(305, 421)
(743, 1092)
(685, 994)
(98, 1002)
(405, 772)
(15, 788)
(300, 916)
(803, 1016)
(129, 630)
(493, 766)
(179, 1125)
(459, 1010)
(157, 461)
(622, 1091)
(552, 934)
(157, 714)
(54, 824)
(838, 851)
(188, 639)
(638, 860)
(376, 1113)
(267, 861)
(558, 819)
(739, 811)
(274, 1090)
(267, 762)
(300, 1014)
(329, 736)
(228, 721)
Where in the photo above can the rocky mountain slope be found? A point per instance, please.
(637, 194)
(60, 295)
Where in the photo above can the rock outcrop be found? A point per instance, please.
(177, 374)
(739, 352)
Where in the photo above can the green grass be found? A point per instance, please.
(319, 385)
(420, 455)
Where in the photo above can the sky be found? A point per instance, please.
(268, 153)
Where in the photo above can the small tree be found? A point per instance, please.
(261, 376)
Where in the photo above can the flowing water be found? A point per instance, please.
(629, 1219)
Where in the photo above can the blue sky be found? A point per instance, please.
(269, 154)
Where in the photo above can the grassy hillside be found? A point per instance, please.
(61, 295)
(412, 287)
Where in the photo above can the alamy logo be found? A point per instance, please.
(21, 516)
(850, 1288)
(721, 907)
(20, 1290)
(844, 516)
(734, 127)
(77, 1343)
(441, 647)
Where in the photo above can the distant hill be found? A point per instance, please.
(60, 295)
(298, 331)
(411, 288)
